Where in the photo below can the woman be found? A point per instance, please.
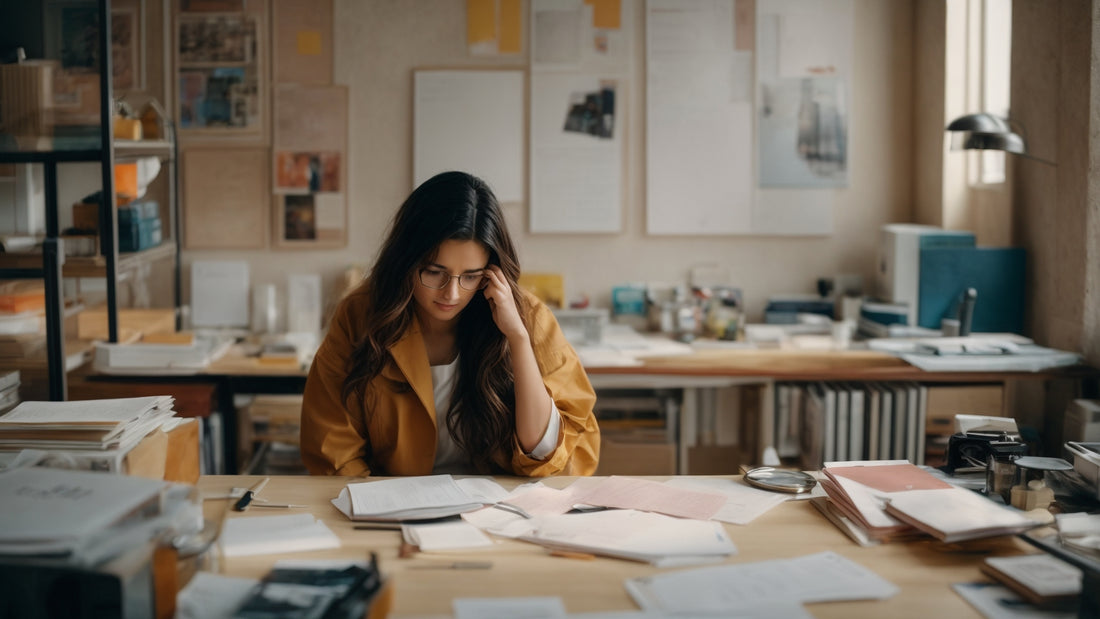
(439, 363)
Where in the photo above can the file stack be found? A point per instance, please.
(91, 535)
(97, 435)
(878, 501)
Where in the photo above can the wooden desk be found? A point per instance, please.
(1029, 395)
(924, 571)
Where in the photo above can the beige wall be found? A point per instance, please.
(379, 42)
(1055, 98)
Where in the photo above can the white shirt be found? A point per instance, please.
(449, 457)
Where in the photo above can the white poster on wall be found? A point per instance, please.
(698, 120)
(470, 121)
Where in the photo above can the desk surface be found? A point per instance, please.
(760, 363)
(924, 571)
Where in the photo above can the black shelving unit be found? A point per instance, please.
(99, 148)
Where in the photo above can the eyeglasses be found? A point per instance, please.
(438, 280)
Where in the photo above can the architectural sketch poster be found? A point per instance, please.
(580, 59)
(576, 154)
(803, 69)
(699, 90)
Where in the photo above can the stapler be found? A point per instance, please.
(979, 438)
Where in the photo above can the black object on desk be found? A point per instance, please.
(243, 502)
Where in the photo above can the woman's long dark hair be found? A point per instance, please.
(449, 206)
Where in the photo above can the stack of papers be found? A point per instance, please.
(83, 424)
(860, 492)
(59, 513)
(638, 536)
(888, 500)
(416, 498)
(160, 359)
(955, 514)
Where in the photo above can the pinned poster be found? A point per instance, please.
(493, 27)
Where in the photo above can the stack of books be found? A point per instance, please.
(88, 434)
(881, 501)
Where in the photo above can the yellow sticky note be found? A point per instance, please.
(606, 13)
(481, 21)
(510, 27)
(549, 287)
(309, 42)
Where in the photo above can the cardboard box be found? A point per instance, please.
(626, 454)
(713, 460)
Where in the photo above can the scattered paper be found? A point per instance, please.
(259, 535)
(509, 608)
(743, 503)
(445, 536)
(653, 496)
(821, 577)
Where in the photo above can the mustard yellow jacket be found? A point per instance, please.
(401, 428)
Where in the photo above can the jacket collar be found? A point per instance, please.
(411, 357)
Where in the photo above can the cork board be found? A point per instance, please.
(226, 196)
(302, 41)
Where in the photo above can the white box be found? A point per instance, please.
(1082, 422)
(898, 276)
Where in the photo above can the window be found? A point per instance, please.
(989, 60)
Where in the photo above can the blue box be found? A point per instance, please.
(139, 226)
(997, 273)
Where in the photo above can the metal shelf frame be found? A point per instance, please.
(53, 255)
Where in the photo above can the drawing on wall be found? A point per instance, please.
(300, 215)
(221, 38)
(803, 125)
(218, 97)
(310, 149)
(309, 171)
(592, 112)
(125, 71)
(220, 74)
(803, 60)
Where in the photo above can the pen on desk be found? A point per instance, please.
(457, 565)
(378, 526)
(569, 554)
(244, 501)
(519, 511)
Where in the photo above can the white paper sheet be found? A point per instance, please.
(821, 577)
(743, 504)
(259, 535)
(445, 536)
(219, 293)
(509, 608)
(471, 121)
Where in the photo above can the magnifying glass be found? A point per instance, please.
(780, 480)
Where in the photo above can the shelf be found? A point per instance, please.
(96, 266)
(133, 149)
(90, 266)
(67, 150)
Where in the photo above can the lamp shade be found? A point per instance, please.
(1008, 141)
(984, 123)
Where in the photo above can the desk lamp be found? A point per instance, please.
(988, 132)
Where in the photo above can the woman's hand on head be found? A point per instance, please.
(499, 294)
